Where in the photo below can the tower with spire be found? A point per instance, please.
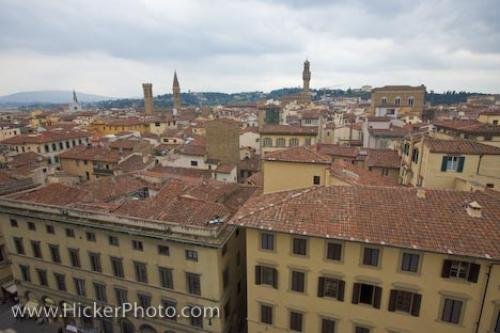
(176, 92)
(75, 105)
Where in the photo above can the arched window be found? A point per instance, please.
(267, 142)
(293, 142)
(411, 101)
(397, 101)
(280, 142)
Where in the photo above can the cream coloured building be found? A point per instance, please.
(449, 164)
(66, 247)
(372, 260)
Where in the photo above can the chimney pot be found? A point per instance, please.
(474, 209)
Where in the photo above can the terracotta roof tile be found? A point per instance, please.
(466, 147)
(297, 154)
(398, 217)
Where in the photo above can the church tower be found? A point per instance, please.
(306, 78)
(176, 92)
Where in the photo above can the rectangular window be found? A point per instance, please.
(117, 267)
(266, 314)
(42, 277)
(405, 301)
(300, 246)
(50, 229)
(366, 294)
(194, 163)
(452, 310)
(25, 273)
(79, 286)
(196, 321)
(191, 255)
(166, 277)
(331, 287)
(70, 233)
(334, 251)
(60, 281)
(95, 262)
(171, 308)
(267, 241)
(497, 325)
(74, 257)
(193, 283)
(35, 247)
(113, 241)
(31, 226)
(90, 236)
(100, 292)
(298, 281)
(453, 163)
(316, 180)
(461, 270)
(144, 300)
(137, 245)
(54, 253)
(225, 278)
(163, 250)
(121, 296)
(13, 223)
(141, 274)
(327, 326)
(410, 262)
(18, 244)
(296, 321)
(266, 275)
(370, 256)
(360, 329)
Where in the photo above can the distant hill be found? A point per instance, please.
(48, 97)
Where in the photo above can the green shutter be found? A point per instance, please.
(443, 163)
(461, 161)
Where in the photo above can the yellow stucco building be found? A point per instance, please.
(276, 137)
(356, 260)
(449, 164)
(66, 247)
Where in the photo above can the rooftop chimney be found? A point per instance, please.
(474, 209)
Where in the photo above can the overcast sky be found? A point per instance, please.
(111, 47)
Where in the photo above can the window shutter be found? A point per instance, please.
(446, 269)
(443, 163)
(355, 293)
(258, 274)
(377, 295)
(341, 290)
(461, 161)
(321, 287)
(275, 278)
(473, 273)
(415, 305)
(392, 300)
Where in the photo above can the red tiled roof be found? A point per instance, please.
(337, 150)
(44, 137)
(192, 149)
(465, 147)
(356, 175)
(297, 154)
(438, 222)
(89, 153)
(382, 158)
